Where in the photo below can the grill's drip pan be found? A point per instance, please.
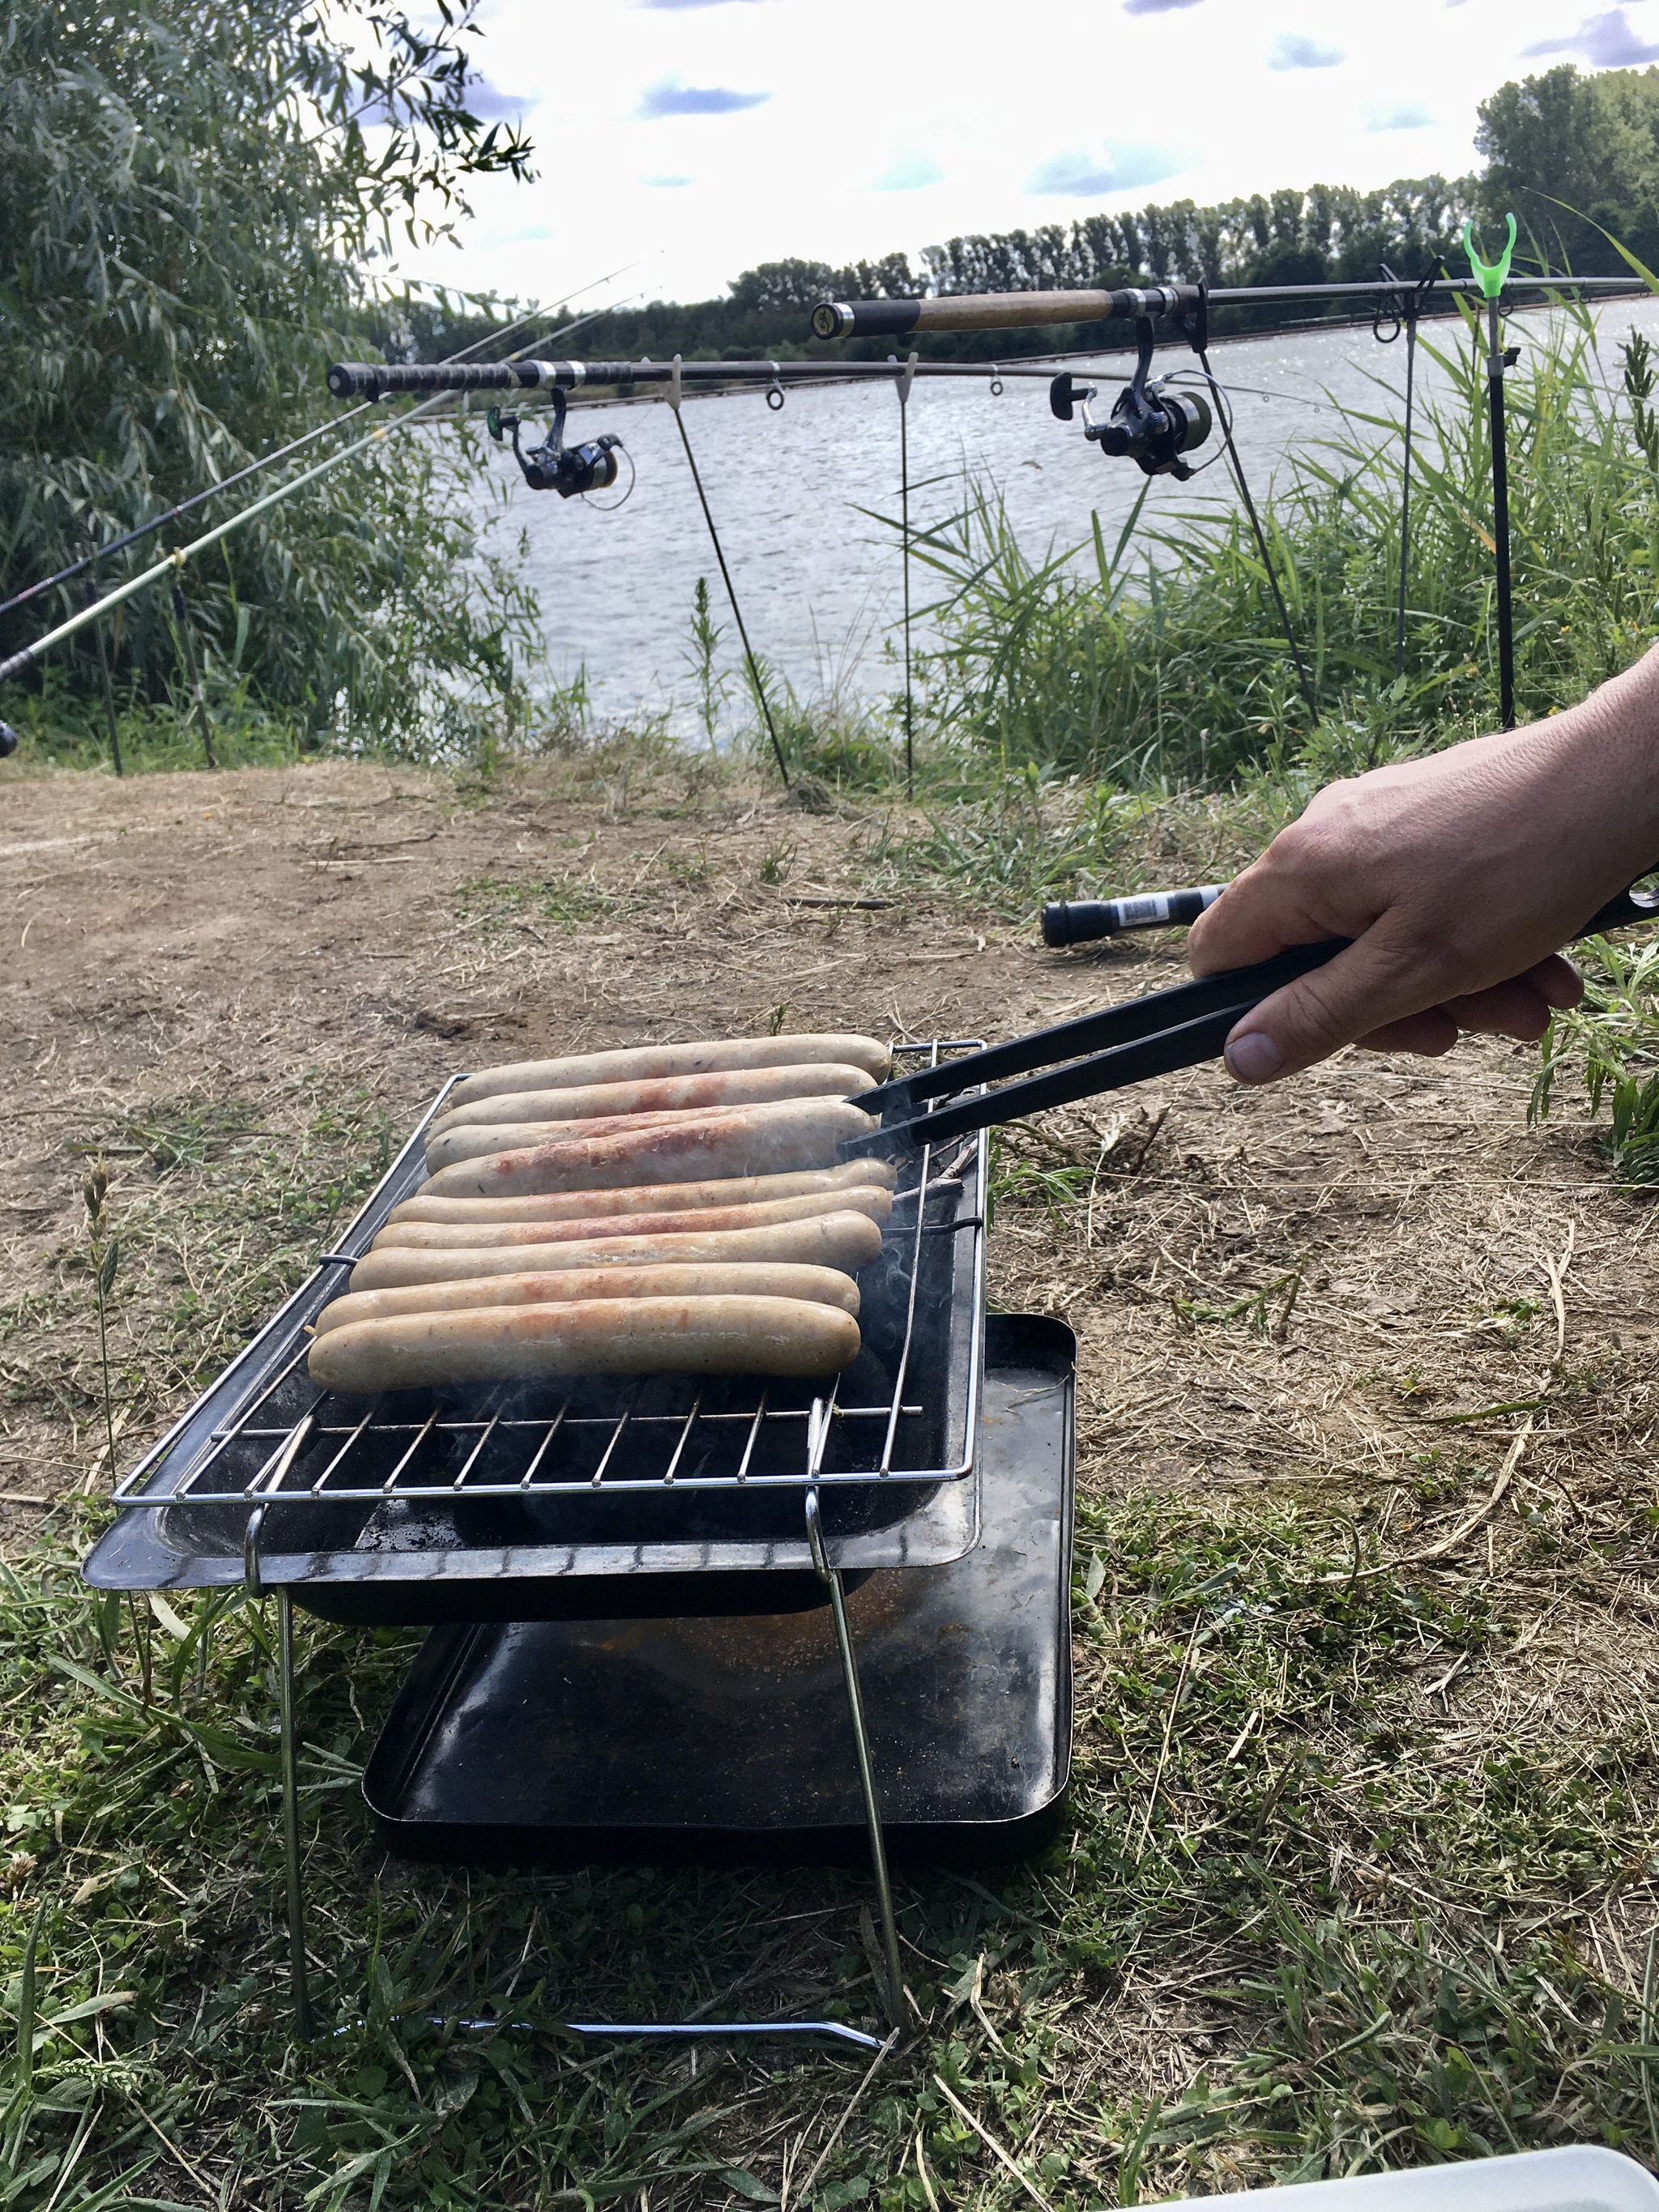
(491, 1504)
(719, 1738)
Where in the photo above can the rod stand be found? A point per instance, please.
(894, 1993)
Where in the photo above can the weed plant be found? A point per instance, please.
(1610, 1044)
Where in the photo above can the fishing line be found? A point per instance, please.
(1407, 310)
(902, 387)
(674, 397)
(1237, 466)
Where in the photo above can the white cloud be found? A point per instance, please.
(1079, 175)
(1291, 53)
(866, 98)
(910, 173)
(1608, 41)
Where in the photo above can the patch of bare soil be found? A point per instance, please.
(1375, 1286)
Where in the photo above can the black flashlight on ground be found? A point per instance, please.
(1080, 921)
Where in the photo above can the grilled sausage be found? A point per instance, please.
(847, 1241)
(600, 1336)
(745, 1140)
(479, 1235)
(643, 1063)
(460, 1140)
(818, 1286)
(751, 1086)
(650, 1198)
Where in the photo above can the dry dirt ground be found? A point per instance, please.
(1376, 1290)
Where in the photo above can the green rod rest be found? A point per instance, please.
(1492, 275)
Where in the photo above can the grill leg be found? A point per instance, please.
(894, 1993)
(296, 1909)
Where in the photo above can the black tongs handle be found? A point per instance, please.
(1157, 1034)
(1091, 1033)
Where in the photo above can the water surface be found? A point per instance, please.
(819, 582)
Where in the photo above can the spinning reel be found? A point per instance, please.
(1149, 424)
(553, 465)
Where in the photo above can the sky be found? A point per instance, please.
(682, 141)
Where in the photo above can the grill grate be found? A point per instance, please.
(267, 1458)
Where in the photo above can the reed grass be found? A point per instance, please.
(1167, 666)
(1609, 1045)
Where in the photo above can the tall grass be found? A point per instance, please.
(1169, 665)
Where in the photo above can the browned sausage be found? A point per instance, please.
(746, 1141)
(671, 1094)
(478, 1235)
(847, 1241)
(822, 1286)
(461, 1140)
(650, 1198)
(600, 1336)
(643, 1063)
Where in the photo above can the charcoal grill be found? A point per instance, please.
(531, 1510)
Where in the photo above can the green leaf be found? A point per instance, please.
(106, 1266)
(748, 2185)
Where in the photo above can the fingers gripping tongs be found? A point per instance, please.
(1155, 1036)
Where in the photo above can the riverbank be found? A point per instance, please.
(1357, 1868)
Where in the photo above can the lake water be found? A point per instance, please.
(818, 579)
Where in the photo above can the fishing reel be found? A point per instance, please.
(553, 465)
(1149, 423)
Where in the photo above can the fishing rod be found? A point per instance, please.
(1155, 426)
(19, 663)
(350, 379)
(1012, 311)
(575, 470)
(267, 460)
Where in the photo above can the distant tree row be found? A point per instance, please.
(1575, 156)
(1328, 232)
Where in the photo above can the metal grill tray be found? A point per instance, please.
(496, 1503)
(698, 1739)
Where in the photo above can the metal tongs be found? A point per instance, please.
(1157, 1034)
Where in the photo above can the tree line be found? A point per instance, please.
(1576, 157)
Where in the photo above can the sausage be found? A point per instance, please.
(744, 1140)
(479, 1235)
(847, 1241)
(752, 1086)
(650, 1198)
(818, 1286)
(461, 1140)
(598, 1336)
(643, 1063)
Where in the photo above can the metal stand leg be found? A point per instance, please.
(296, 1920)
(895, 1991)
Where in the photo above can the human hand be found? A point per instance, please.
(1458, 875)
